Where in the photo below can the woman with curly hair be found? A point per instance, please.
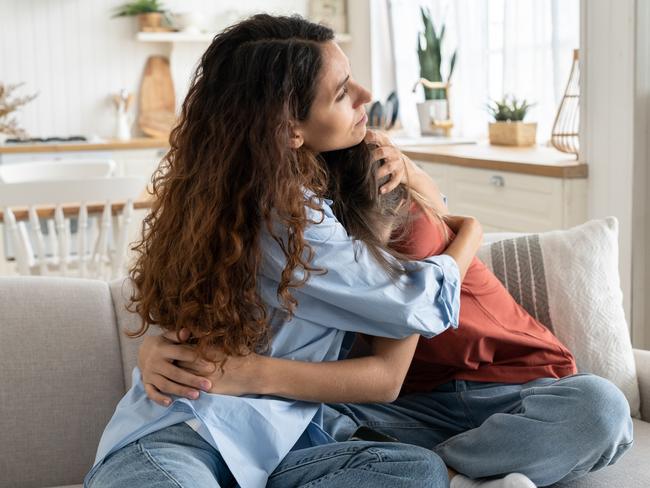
(242, 251)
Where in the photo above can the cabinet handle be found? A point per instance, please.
(497, 181)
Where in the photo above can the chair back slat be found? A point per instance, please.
(63, 246)
(120, 249)
(82, 239)
(35, 225)
(12, 228)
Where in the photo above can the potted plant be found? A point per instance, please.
(509, 128)
(8, 105)
(150, 14)
(430, 55)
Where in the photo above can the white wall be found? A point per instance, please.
(641, 200)
(75, 56)
(615, 89)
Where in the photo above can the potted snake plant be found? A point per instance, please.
(509, 128)
(429, 47)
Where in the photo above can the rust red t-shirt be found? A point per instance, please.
(496, 341)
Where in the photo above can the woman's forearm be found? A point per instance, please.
(375, 378)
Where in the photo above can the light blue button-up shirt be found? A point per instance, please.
(253, 433)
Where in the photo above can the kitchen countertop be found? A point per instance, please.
(106, 145)
(536, 160)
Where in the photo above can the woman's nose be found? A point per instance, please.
(363, 96)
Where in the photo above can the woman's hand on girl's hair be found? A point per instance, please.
(397, 165)
(160, 376)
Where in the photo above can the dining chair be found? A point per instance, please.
(99, 251)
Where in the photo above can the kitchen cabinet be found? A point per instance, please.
(508, 190)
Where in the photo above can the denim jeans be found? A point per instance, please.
(177, 457)
(550, 430)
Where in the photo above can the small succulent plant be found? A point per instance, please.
(509, 109)
(429, 52)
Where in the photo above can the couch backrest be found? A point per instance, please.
(61, 377)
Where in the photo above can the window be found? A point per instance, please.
(519, 47)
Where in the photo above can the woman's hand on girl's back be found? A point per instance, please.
(171, 368)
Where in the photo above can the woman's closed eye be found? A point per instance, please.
(343, 93)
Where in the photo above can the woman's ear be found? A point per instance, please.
(296, 139)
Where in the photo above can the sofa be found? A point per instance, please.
(66, 363)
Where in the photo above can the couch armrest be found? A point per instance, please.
(642, 359)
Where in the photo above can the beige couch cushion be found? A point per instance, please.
(127, 321)
(61, 377)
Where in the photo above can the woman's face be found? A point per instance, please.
(337, 118)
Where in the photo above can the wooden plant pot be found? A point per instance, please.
(150, 22)
(513, 133)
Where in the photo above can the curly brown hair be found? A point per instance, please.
(229, 173)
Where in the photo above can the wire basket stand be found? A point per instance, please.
(566, 128)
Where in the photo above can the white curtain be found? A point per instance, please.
(519, 47)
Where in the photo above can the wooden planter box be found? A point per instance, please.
(513, 133)
(151, 22)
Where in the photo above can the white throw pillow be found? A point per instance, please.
(568, 280)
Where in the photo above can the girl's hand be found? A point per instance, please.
(456, 222)
(397, 165)
(160, 376)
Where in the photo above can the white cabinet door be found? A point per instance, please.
(507, 201)
(438, 172)
(511, 202)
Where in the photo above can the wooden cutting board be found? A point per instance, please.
(157, 99)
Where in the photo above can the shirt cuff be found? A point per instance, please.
(448, 298)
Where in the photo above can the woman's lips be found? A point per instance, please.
(362, 120)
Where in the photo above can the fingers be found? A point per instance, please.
(377, 137)
(182, 376)
(183, 335)
(201, 368)
(154, 395)
(385, 152)
(389, 186)
(168, 387)
(177, 352)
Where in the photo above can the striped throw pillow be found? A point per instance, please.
(568, 280)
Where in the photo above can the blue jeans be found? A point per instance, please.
(177, 457)
(550, 430)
